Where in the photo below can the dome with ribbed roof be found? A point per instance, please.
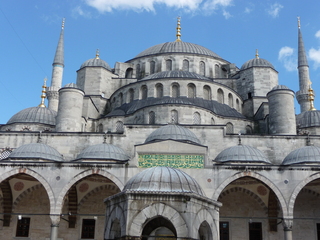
(103, 151)
(256, 62)
(308, 119)
(34, 115)
(35, 151)
(163, 179)
(175, 74)
(95, 62)
(307, 154)
(177, 47)
(241, 154)
(173, 132)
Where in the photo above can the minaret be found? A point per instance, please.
(303, 69)
(57, 72)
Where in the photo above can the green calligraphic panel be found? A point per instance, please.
(170, 160)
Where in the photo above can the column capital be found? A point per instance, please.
(55, 220)
(287, 224)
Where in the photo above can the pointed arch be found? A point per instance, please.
(191, 90)
(206, 92)
(185, 65)
(175, 90)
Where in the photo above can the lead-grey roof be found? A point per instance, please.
(35, 151)
(257, 62)
(241, 153)
(95, 62)
(34, 115)
(308, 119)
(177, 47)
(163, 179)
(175, 74)
(103, 151)
(71, 85)
(211, 105)
(307, 154)
(172, 132)
(280, 87)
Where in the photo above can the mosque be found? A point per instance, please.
(175, 143)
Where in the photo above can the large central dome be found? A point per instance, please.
(177, 47)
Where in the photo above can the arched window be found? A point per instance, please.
(174, 117)
(168, 65)
(100, 128)
(206, 92)
(152, 117)
(216, 71)
(230, 100)
(138, 71)
(130, 95)
(185, 65)
(115, 231)
(248, 129)
(129, 72)
(229, 128)
(202, 68)
(152, 67)
(144, 92)
(220, 96)
(159, 90)
(212, 121)
(120, 99)
(191, 90)
(5, 153)
(196, 118)
(175, 90)
(119, 127)
(238, 105)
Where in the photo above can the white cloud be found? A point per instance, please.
(317, 34)
(274, 10)
(247, 10)
(78, 11)
(286, 56)
(215, 4)
(226, 14)
(141, 5)
(314, 55)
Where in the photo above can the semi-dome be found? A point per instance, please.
(35, 151)
(307, 154)
(177, 47)
(163, 179)
(308, 119)
(257, 62)
(103, 151)
(241, 154)
(175, 74)
(172, 132)
(34, 115)
(95, 62)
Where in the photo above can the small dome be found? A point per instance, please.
(177, 47)
(308, 119)
(175, 74)
(95, 62)
(36, 151)
(256, 62)
(34, 115)
(103, 151)
(280, 87)
(163, 179)
(71, 85)
(241, 153)
(308, 154)
(173, 132)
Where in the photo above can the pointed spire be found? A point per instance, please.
(43, 95)
(97, 54)
(302, 56)
(59, 56)
(178, 31)
(257, 54)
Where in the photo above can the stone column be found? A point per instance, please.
(55, 220)
(287, 228)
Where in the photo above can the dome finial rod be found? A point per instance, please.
(299, 25)
(178, 31)
(257, 54)
(97, 54)
(43, 95)
(311, 97)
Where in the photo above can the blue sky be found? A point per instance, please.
(121, 29)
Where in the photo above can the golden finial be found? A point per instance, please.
(299, 22)
(257, 54)
(43, 95)
(63, 20)
(97, 54)
(311, 97)
(178, 31)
